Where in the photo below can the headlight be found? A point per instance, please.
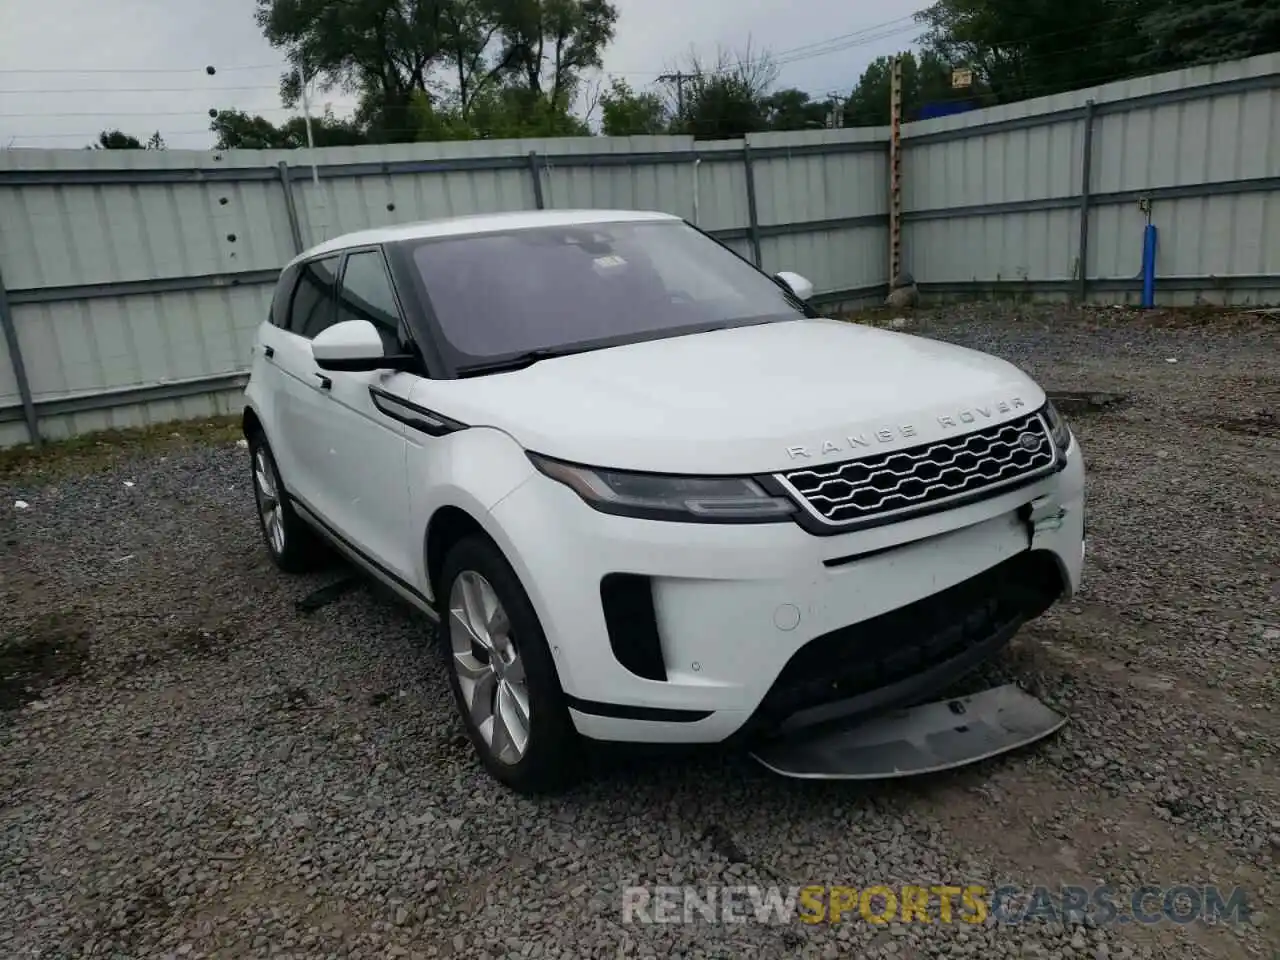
(1057, 427)
(658, 496)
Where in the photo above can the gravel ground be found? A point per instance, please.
(190, 766)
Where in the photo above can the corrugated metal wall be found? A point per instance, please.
(993, 199)
(136, 279)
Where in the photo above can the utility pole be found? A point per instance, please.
(835, 111)
(895, 171)
(321, 228)
(678, 78)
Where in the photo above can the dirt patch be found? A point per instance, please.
(1262, 423)
(1077, 402)
(47, 650)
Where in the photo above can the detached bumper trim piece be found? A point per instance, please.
(923, 739)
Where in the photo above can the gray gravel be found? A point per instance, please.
(190, 767)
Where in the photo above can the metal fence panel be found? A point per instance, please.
(1017, 247)
(108, 343)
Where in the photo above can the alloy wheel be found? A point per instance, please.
(270, 509)
(490, 672)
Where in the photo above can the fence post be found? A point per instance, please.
(535, 169)
(753, 225)
(895, 172)
(291, 206)
(1086, 175)
(19, 369)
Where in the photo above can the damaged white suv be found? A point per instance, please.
(648, 492)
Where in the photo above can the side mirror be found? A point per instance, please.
(352, 345)
(797, 284)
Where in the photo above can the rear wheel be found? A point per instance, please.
(502, 674)
(293, 546)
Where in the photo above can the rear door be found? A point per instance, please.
(267, 384)
(303, 397)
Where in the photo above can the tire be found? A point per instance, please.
(502, 673)
(293, 546)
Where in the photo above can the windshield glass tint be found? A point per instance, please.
(498, 294)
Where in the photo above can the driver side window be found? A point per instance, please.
(367, 294)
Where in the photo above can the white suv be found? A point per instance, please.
(650, 494)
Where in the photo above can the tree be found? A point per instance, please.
(1021, 49)
(118, 140)
(924, 80)
(470, 31)
(793, 109)
(546, 44)
(496, 112)
(398, 53)
(236, 130)
(383, 49)
(629, 114)
(727, 100)
(1179, 33)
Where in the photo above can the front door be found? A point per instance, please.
(363, 462)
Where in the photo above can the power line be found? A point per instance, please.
(848, 45)
(60, 70)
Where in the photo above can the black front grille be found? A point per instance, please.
(917, 479)
(894, 647)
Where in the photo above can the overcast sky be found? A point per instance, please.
(70, 68)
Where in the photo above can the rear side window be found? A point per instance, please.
(312, 309)
(280, 300)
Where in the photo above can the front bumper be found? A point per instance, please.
(756, 628)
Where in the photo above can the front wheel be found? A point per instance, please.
(502, 674)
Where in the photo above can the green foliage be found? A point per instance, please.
(496, 113)
(568, 36)
(467, 69)
(236, 130)
(631, 114)
(1032, 48)
(1179, 33)
(394, 53)
(118, 140)
(1024, 49)
(721, 107)
(793, 109)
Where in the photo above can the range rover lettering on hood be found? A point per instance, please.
(906, 431)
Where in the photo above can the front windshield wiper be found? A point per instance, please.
(519, 361)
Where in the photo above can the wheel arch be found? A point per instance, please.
(448, 525)
(250, 422)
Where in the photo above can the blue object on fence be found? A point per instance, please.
(1149, 266)
(945, 108)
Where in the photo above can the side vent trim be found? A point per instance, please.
(632, 623)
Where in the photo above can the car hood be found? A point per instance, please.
(746, 400)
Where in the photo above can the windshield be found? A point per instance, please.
(500, 294)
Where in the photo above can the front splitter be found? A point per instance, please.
(918, 740)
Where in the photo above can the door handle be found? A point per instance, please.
(325, 382)
(268, 352)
